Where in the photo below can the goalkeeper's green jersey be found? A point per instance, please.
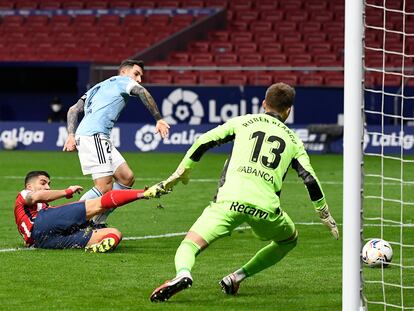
(264, 148)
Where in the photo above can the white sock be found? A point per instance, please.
(240, 275)
(184, 273)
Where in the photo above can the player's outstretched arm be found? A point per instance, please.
(73, 112)
(44, 196)
(162, 127)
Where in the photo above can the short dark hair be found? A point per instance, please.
(280, 96)
(34, 174)
(131, 63)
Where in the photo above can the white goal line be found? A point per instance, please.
(200, 180)
(175, 234)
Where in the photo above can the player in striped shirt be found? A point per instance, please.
(101, 106)
(67, 226)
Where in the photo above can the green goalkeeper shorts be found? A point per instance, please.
(220, 219)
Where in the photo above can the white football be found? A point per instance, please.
(9, 144)
(377, 253)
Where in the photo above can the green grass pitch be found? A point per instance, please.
(309, 278)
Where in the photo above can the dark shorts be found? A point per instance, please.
(62, 227)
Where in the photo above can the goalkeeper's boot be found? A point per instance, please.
(170, 288)
(229, 285)
(103, 246)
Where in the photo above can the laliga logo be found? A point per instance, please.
(146, 139)
(182, 106)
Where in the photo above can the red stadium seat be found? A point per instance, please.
(144, 4)
(159, 20)
(108, 20)
(6, 5)
(326, 60)
(311, 80)
(335, 79)
(96, 5)
(179, 58)
(216, 3)
(392, 80)
(171, 4)
(272, 16)
(221, 47)
(316, 48)
(246, 48)
(270, 48)
(288, 38)
(210, 78)
(260, 79)
(49, 5)
(266, 5)
(300, 60)
(310, 27)
(219, 36)
(260, 38)
(284, 27)
(296, 16)
(275, 60)
(161, 78)
(26, 5)
(251, 60)
(315, 38)
(72, 5)
(199, 46)
(36, 20)
(239, 26)
(290, 5)
(193, 4)
(295, 48)
(134, 21)
(119, 4)
(315, 5)
(235, 78)
(261, 26)
(182, 20)
(202, 59)
(241, 37)
(285, 77)
(186, 78)
(248, 16)
(240, 5)
(322, 16)
(226, 59)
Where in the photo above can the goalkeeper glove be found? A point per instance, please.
(180, 174)
(328, 220)
(155, 191)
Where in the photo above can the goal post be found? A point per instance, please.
(352, 158)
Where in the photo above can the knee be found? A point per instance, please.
(104, 187)
(129, 179)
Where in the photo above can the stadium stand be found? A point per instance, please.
(261, 33)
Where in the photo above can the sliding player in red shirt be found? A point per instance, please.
(67, 226)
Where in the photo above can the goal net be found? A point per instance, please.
(388, 172)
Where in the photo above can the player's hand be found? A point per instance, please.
(70, 144)
(180, 174)
(163, 128)
(328, 221)
(71, 190)
(155, 191)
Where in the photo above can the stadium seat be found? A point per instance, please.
(315, 38)
(248, 16)
(261, 26)
(96, 5)
(311, 80)
(6, 5)
(310, 27)
(392, 80)
(285, 27)
(322, 16)
(246, 48)
(169, 4)
(193, 4)
(199, 46)
(260, 38)
(294, 48)
(266, 5)
(221, 47)
(326, 60)
(270, 48)
(219, 36)
(120, 4)
(238, 37)
(73, 5)
(182, 20)
(134, 21)
(239, 78)
(288, 38)
(251, 60)
(315, 5)
(316, 48)
(275, 60)
(260, 78)
(185, 78)
(272, 16)
(226, 59)
(180, 58)
(300, 60)
(334, 79)
(49, 5)
(202, 59)
(290, 5)
(242, 5)
(298, 16)
(210, 78)
(26, 5)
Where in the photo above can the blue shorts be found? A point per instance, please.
(62, 227)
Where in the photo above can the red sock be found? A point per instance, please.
(115, 198)
(112, 235)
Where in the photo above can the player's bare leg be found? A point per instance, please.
(184, 261)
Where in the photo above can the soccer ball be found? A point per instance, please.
(9, 144)
(377, 253)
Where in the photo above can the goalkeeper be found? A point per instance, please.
(249, 191)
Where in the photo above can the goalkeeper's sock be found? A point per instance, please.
(267, 257)
(92, 193)
(239, 275)
(115, 198)
(185, 257)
